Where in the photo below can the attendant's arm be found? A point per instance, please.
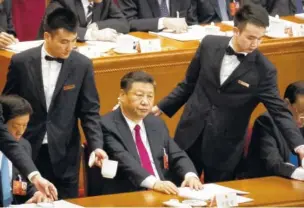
(12, 84)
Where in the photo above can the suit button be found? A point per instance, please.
(218, 91)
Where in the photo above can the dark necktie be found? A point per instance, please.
(299, 6)
(164, 11)
(230, 52)
(293, 159)
(90, 14)
(7, 197)
(49, 58)
(143, 153)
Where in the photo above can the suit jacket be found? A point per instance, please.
(268, 151)
(274, 7)
(207, 11)
(30, 188)
(220, 113)
(6, 17)
(14, 151)
(105, 14)
(143, 15)
(120, 146)
(75, 96)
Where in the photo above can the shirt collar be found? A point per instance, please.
(132, 124)
(44, 52)
(231, 45)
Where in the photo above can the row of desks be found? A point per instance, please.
(268, 191)
(168, 67)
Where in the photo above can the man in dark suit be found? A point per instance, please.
(98, 19)
(155, 15)
(7, 31)
(226, 80)
(269, 153)
(16, 116)
(59, 84)
(280, 7)
(207, 11)
(140, 142)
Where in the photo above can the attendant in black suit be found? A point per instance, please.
(105, 22)
(7, 30)
(59, 84)
(226, 80)
(155, 15)
(140, 142)
(280, 7)
(207, 11)
(269, 153)
(16, 116)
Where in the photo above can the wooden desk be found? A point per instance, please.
(268, 191)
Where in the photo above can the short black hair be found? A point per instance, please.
(253, 14)
(61, 18)
(137, 76)
(14, 106)
(293, 90)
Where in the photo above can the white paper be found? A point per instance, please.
(300, 16)
(103, 46)
(55, 204)
(22, 46)
(208, 192)
(109, 168)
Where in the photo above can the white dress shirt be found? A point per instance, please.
(85, 4)
(150, 180)
(50, 73)
(10, 166)
(229, 64)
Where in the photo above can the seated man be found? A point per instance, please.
(7, 31)
(155, 15)
(207, 11)
(140, 142)
(16, 115)
(98, 19)
(269, 153)
(280, 7)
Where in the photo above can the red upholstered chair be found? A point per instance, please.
(27, 16)
(116, 2)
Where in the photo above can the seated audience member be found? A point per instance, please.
(207, 11)
(155, 15)
(16, 115)
(7, 31)
(280, 7)
(269, 153)
(98, 19)
(147, 157)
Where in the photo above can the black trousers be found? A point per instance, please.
(67, 187)
(211, 175)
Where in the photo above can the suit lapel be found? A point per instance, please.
(36, 71)
(80, 12)
(156, 147)
(244, 67)
(125, 134)
(64, 73)
(216, 7)
(98, 7)
(154, 5)
(217, 63)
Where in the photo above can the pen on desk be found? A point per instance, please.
(177, 14)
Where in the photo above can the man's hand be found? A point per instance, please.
(6, 39)
(179, 25)
(38, 197)
(100, 155)
(166, 187)
(45, 187)
(106, 34)
(193, 183)
(156, 111)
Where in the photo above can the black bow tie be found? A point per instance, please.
(230, 52)
(49, 58)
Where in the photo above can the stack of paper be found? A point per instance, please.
(25, 45)
(300, 16)
(55, 204)
(211, 190)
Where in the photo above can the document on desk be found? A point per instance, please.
(55, 204)
(25, 45)
(211, 190)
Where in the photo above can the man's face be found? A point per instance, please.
(17, 126)
(298, 107)
(138, 101)
(60, 43)
(249, 38)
